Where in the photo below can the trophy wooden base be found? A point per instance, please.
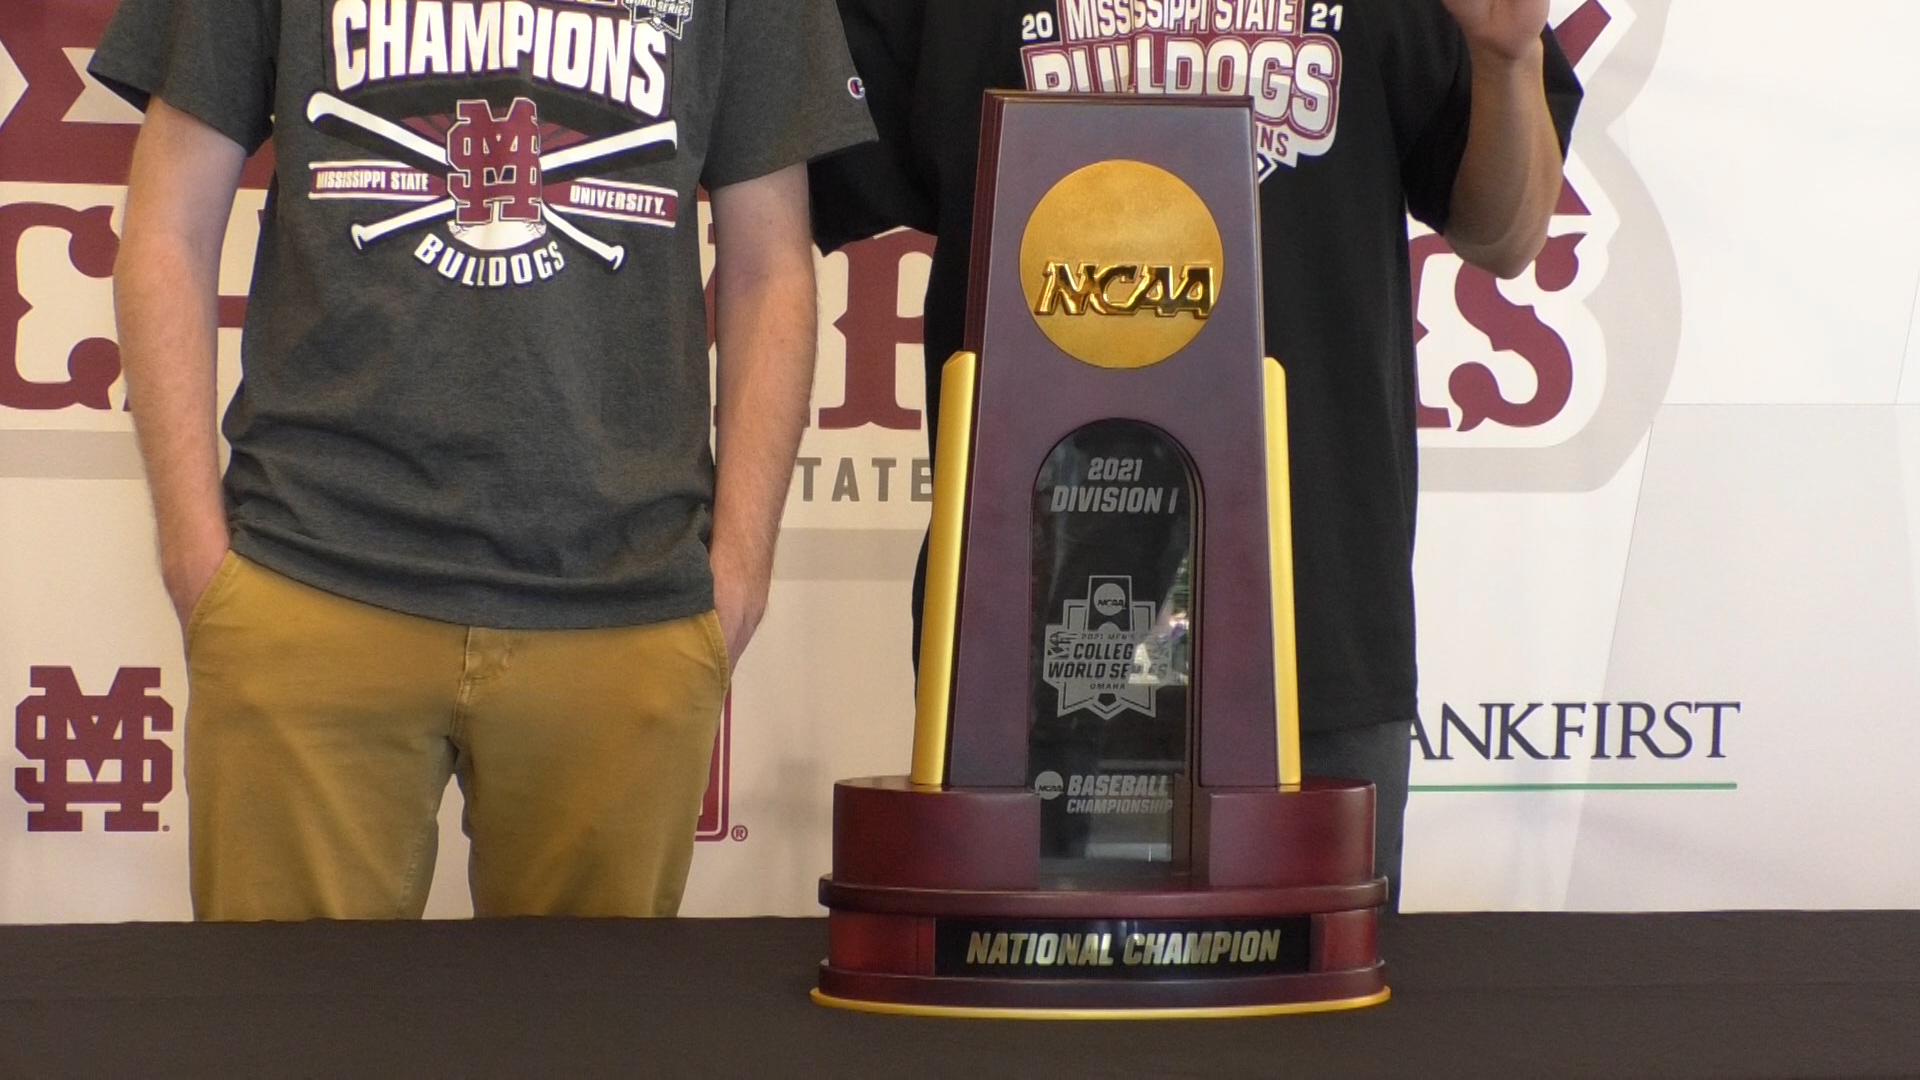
(938, 905)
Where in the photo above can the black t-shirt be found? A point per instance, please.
(1361, 112)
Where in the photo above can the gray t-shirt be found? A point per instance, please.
(475, 380)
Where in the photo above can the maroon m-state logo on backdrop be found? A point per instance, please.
(1474, 393)
(94, 750)
(713, 809)
(62, 151)
(1550, 382)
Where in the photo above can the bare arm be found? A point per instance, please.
(165, 287)
(1510, 178)
(764, 315)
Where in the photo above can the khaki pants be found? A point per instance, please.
(321, 733)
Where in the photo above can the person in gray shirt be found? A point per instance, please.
(471, 525)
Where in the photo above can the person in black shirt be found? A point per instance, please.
(1457, 112)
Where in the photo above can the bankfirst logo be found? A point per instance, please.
(1579, 731)
(94, 750)
(1623, 745)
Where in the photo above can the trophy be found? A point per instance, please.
(1105, 815)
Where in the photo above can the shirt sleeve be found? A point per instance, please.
(868, 189)
(787, 91)
(211, 59)
(1429, 77)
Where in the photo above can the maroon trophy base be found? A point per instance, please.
(938, 905)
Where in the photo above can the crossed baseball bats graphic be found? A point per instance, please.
(322, 106)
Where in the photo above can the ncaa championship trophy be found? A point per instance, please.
(1106, 816)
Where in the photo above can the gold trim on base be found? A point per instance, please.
(1230, 1012)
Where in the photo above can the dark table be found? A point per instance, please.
(1764, 994)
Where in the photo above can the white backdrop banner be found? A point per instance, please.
(1669, 551)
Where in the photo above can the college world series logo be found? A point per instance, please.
(669, 16)
(1103, 656)
(67, 732)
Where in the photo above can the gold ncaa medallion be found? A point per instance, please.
(1121, 264)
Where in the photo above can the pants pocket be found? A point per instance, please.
(211, 595)
(717, 640)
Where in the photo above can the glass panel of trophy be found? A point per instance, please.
(1114, 540)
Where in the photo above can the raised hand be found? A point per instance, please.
(1509, 29)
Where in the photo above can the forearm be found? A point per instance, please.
(165, 298)
(765, 384)
(1510, 177)
(166, 283)
(765, 328)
